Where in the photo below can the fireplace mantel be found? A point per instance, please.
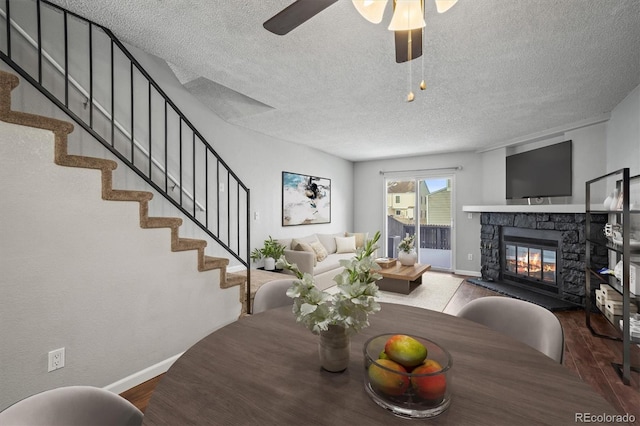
(534, 208)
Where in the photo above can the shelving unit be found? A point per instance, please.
(621, 180)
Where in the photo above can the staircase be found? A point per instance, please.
(61, 129)
(73, 61)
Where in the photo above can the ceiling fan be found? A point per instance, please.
(408, 36)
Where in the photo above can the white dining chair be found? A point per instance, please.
(72, 406)
(524, 321)
(272, 294)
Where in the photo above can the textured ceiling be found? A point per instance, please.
(497, 71)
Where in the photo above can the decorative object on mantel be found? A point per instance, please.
(335, 316)
(270, 251)
(407, 255)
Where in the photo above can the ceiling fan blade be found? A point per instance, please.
(295, 14)
(443, 5)
(402, 45)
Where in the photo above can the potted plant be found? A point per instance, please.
(336, 315)
(270, 251)
(407, 254)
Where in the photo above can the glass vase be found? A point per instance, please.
(334, 347)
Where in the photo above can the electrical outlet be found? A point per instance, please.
(470, 256)
(469, 215)
(56, 359)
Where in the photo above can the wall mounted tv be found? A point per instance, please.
(542, 172)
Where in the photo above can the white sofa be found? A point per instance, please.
(308, 256)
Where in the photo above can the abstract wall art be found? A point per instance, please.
(306, 199)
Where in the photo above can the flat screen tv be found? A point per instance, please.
(542, 172)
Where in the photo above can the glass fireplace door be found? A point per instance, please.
(531, 262)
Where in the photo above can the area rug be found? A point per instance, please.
(434, 293)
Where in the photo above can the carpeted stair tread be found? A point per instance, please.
(211, 262)
(88, 162)
(61, 129)
(162, 222)
(10, 79)
(128, 195)
(516, 292)
(184, 244)
(233, 280)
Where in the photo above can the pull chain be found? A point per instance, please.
(423, 84)
(410, 96)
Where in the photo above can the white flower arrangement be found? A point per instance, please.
(406, 244)
(350, 306)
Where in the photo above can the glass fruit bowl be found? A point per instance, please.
(408, 375)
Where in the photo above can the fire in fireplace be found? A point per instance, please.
(536, 263)
(530, 257)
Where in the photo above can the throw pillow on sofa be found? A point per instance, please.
(346, 244)
(329, 241)
(302, 246)
(361, 238)
(321, 252)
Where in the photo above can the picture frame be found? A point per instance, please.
(306, 199)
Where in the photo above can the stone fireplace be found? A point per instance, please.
(542, 252)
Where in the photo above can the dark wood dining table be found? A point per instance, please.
(264, 370)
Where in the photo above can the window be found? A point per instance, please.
(397, 199)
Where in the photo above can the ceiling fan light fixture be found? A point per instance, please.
(371, 10)
(443, 5)
(407, 16)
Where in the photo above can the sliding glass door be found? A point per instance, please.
(423, 204)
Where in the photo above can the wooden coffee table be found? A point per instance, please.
(401, 279)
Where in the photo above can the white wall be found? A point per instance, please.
(78, 272)
(589, 161)
(493, 177)
(623, 134)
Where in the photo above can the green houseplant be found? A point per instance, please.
(270, 251)
(406, 251)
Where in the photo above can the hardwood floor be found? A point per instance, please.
(141, 394)
(588, 356)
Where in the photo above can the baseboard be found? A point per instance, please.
(468, 273)
(142, 376)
